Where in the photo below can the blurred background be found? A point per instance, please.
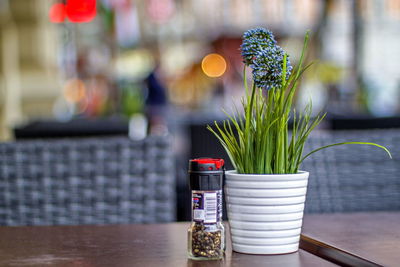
(168, 67)
(173, 61)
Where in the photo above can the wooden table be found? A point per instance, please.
(122, 245)
(357, 239)
(367, 239)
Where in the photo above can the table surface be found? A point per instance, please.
(369, 236)
(373, 236)
(122, 245)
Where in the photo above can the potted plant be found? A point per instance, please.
(265, 194)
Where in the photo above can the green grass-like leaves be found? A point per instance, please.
(257, 140)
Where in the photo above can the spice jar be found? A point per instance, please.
(206, 234)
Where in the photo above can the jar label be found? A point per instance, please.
(207, 206)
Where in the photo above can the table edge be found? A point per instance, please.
(333, 254)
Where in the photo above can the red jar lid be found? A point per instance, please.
(206, 174)
(206, 164)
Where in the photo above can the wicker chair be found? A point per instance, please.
(353, 178)
(105, 180)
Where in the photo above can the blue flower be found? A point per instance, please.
(265, 57)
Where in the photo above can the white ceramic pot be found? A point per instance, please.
(265, 211)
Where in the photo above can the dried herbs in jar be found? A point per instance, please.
(206, 235)
(206, 241)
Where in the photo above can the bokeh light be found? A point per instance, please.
(74, 91)
(213, 65)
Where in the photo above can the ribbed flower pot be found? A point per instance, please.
(265, 212)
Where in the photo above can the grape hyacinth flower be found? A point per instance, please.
(265, 57)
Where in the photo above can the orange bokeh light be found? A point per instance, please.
(213, 65)
(74, 91)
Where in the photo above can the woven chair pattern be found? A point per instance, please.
(105, 180)
(352, 178)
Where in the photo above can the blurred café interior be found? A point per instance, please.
(143, 70)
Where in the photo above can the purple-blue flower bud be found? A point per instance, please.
(265, 57)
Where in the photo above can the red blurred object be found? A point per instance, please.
(217, 162)
(57, 13)
(81, 10)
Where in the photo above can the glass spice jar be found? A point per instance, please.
(206, 234)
